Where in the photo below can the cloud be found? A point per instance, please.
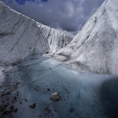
(67, 15)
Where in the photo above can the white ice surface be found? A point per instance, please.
(21, 36)
(95, 47)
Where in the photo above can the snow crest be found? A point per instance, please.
(21, 36)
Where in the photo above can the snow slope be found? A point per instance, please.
(95, 47)
(21, 36)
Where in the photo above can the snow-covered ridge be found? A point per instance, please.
(95, 47)
(21, 36)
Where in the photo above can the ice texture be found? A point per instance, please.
(21, 36)
(95, 47)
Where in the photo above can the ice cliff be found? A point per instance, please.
(21, 36)
(95, 47)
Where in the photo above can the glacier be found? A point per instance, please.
(37, 61)
(95, 47)
(17, 30)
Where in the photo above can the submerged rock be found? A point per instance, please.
(55, 97)
(33, 106)
(15, 110)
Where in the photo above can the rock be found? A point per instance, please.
(5, 113)
(15, 110)
(71, 110)
(33, 106)
(46, 52)
(55, 97)
(12, 107)
(48, 89)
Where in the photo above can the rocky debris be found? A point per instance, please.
(48, 109)
(15, 110)
(55, 97)
(8, 98)
(12, 107)
(33, 106)
(3, 107)
(71, 110)
(51, 111)
(5, 110)
(46, 52)
(48, 89)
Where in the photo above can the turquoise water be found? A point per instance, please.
(84, 95)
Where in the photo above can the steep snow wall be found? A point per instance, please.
(95, 47)
(21, 36)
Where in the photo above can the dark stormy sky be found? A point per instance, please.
(68, 15)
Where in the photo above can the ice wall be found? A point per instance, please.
(95, 47)
(21, 36)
